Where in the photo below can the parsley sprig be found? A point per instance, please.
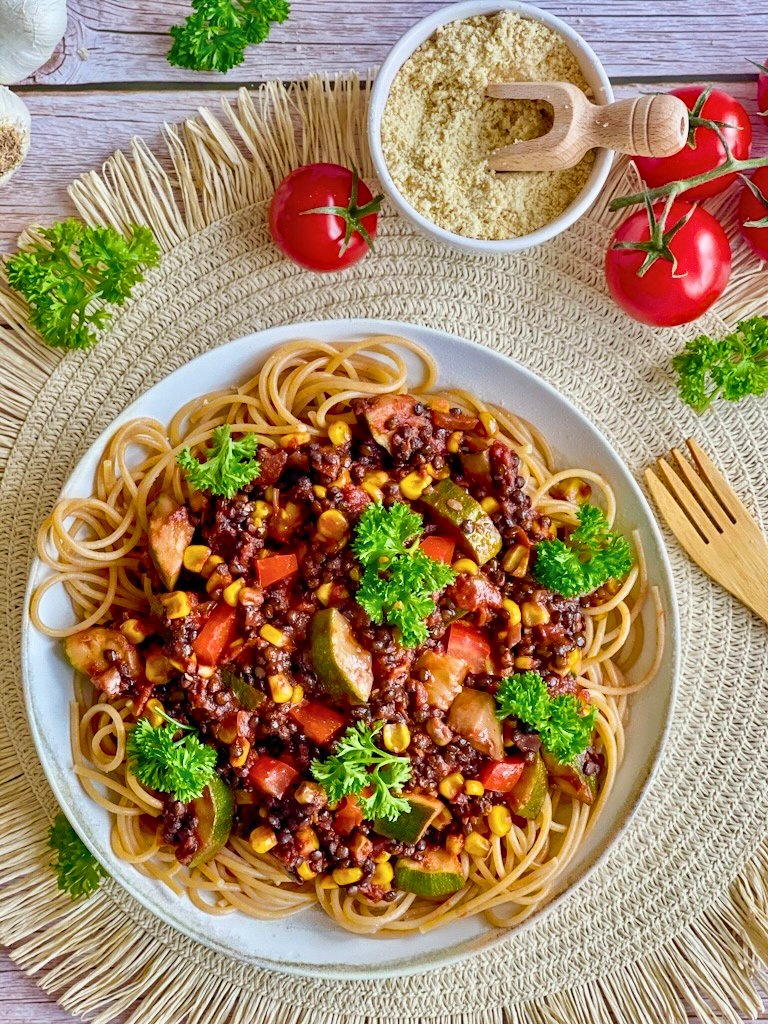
(731, 367)
(593, 555)
(215, 36)
(358, 764)
(77, 870)
(399, 580)
(564, 727)
(181, 766)
(74, 266)
(229, 465)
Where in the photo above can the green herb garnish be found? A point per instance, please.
(564, 727)
(77, 870)
(71, 268)
(215, 36)
(399, 580)
(593, 555)
(731, 367)
(181, 766)
(358, 764)
(229, 465)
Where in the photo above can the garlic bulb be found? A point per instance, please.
(29, 32)
(14, 133)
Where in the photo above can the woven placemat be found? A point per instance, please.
(679, 910)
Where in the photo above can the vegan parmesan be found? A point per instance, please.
(439, 127)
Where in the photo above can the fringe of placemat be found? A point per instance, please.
(94, 961)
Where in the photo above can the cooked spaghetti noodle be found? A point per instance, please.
(99, 549)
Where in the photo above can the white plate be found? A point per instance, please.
(310, 943)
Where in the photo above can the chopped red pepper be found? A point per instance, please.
(276, 568)
(216, 635)
(348, 816)
(271, 776)
(439, 548)
(319, 722)
(502, 776)
(454, 420)
(469, 645)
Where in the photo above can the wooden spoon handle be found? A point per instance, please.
(643, 126)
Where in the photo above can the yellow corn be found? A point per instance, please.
(205, 671)
(396, 737)
(195, 556)
(235, 646)
(474, 787)
(297, 694)
(454, 845)
(272, 636)
(573, 661)
(465, 565)
(180, 665)
(323, 593)
(280, 688)
(534, 614)
(414, 485)
(319, 491)
(210, 564)
(378, 478)
(489, 424)
(135, 631)
(573, 489)
(328, 883)
(332, 524)
(454, 441)
(249, 595)
(157, 669)
(176, 604)
(381, 858)
(500, 820)
(342, 479)
(515, 561)
(524, 664)
(477, 845)
(152, 710)
(490, 505)
(339, 433)
(263, 839)
(261, 509)
(238, 753)
(305, 872)
(512, 608)
(373, 491)
(310, 793)
(451, 785)
(226, 733)
(217, 581)
(383, 874)
(307, 839)
(231, 593)
(347, 876)
(295, 439)
(438, 474)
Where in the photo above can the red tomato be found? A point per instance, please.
(319, 722)
(275, 568)
(348, 816)
(502, 776)
(663, 296)
(469, 645)
(323, 240)
(216, 635)
(762, 88)
(707, 151)
(439, 548)
(271, 776)
(753, 206)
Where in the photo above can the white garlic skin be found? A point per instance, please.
(30, 30)
(15, 133)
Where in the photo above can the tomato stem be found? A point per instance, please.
(753, 188)
(730, 166)
(658, 245)
(352, 215)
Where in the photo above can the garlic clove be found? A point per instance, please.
(15, 133)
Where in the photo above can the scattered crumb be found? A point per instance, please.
(83, 53)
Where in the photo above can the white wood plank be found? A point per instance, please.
(126, 40)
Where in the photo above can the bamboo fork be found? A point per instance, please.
(712, 525)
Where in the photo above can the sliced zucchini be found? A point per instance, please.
(473, 716)
(411, 825)
(453, 508)
(343, 667)
(571, 777)
(87, 651)
(527, 798)
(446, 676)
(215, 811)
(170, 532)
(246, 695)
(439, 874)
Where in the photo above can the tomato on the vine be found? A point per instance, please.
(667, 264)
(713, 114)
(762, 87)
(753, 212)
(324, 217)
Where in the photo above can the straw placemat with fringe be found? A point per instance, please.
(679, 911)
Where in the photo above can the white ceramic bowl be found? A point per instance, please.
(593, 72)
(310, 943)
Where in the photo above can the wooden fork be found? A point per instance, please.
(712, 525)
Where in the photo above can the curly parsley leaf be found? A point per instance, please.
(74, 266)
(561, 722)
(215, 36)
(731, 367)
(399, 580)
(592, 555)
(181, 766)
(357, 765)
(77, 870)
(229, 465)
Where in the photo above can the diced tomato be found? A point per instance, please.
(216, 635)
(502, 776)
(319, 722)
(439, 548)
(271, 776)
(348, 816)
(276, 568)
(469, 645)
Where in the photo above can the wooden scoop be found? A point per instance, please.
(643, 126)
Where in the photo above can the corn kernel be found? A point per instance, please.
(573, 661)
(217, 581)
(310, 793)
(524, 664)
(238, 753)
(515, 561)
(272, 636)
(474, 787)
(383, 874)
(319, 491)
(195, 556)
(339, 433)
(205, 671)
(332, 524)
(442, 818)
(438, 474)
(451, 785)
(347, 876)
(454, 845)
(297, 694)
(438, 403)
(328, 883)
(249, 595)
(500, 820)
(373, 491)
(176, 604)
(414, 485)
(573, 489)
(305, 872)
(489, 424)
(512, 608)
(477, 845)
(263, 839)
(307, 839)
(157, 669)
(261, 509)
(232, 592)
(235, 646)
(454, 441)
(295, 439)
(153, 709)
(381, 858)
(210, 564)
(135, 630)
(378, 478)
(342, 479)
(226, 733)
(490, 505)
(280, 688)
(396, 737)
(323, 593)
(534, 614)
(465, 565)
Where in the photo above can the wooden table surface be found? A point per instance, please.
(109, 81)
